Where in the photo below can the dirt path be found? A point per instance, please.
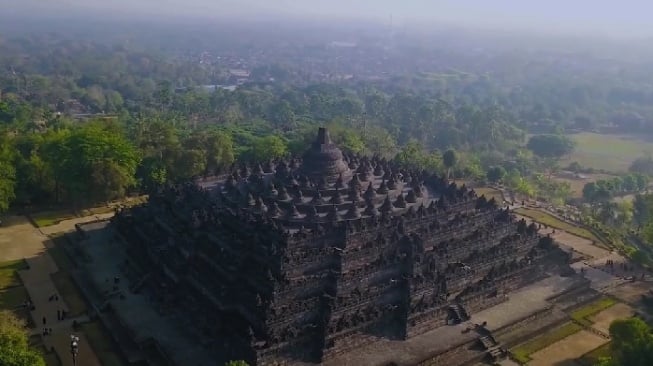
(19, 239)
(571, 241)
(602, 320)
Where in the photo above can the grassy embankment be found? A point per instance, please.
(522, 352)
(582, 315)
(579, 320)
(12, 292)
(554, 222)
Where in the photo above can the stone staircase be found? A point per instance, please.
(494, 351)
(458, 313)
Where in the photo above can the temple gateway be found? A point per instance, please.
(304, 260)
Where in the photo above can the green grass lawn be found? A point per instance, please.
(101, 343)
(522, 352)
(49, 218)
(581, 315)
(612, 153)
(69, 291)
(554, 222)
(8, 275)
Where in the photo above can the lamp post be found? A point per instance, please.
(74, 347)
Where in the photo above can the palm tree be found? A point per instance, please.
(449, 159)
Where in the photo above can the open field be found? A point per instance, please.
(613, 153)
(577, 184)
(522, 352)
(566, 351)
(552, 221)
(602, 320)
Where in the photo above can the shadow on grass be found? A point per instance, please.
(592, 357)
(12, 292)
(8, 273)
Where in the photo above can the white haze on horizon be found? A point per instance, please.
(629, 18)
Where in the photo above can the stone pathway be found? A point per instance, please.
(19, 239)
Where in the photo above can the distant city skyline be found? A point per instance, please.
(629, 18)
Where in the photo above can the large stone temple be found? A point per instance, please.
(303, 260)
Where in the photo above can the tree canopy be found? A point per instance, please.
(632, 343)
(14, 349)
(550, 145)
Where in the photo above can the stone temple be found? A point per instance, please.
(305, 260)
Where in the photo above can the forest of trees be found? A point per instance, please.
(151, 123)
(147, 131)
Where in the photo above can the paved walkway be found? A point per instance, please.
(19, 239)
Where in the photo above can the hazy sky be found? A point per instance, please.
(608, 17)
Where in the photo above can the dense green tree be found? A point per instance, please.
(643, 165)
(496, 173)
(189, 163)
(236, 363)
(642, 209)
(282, 114)
(101, 163)
(413, 156)
(550, 145)
(632, 343)
(348, 139)
(219, 151)
(449, 159)
(14, 348)
(268, 147)
(7, 173)
(380, 142)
